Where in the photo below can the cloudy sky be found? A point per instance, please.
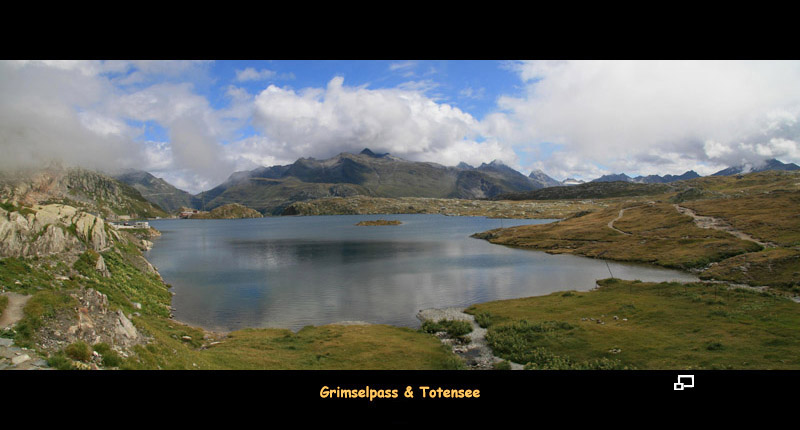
(195, 122)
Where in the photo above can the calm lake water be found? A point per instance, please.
(291, 272)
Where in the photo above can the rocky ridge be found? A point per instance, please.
(50, 229)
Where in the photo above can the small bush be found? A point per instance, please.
(714, 346)
(454, 328)
(110, 357)
(502, 365)
(79, 351)
(484, 319)
(60, 362)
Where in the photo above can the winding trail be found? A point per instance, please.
(611, 223)
(719, 224)
(13, 311)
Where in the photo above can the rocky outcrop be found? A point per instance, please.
(50, 229)
(93, 321)
(100, 266)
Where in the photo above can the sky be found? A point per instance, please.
(194, 123)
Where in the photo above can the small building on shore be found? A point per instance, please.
(188, 213)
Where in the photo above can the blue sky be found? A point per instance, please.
(195, 122)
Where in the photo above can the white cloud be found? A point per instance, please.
(75, 112)
(618, 113)
(403, 65)
(251, 74)
(48, 113)
(322, 122)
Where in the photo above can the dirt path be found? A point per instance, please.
(13, 311)
(719, 224)
(477, 354)
(611, 223)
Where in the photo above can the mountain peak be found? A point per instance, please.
(463, 165)
(613, 178)
(541, 178)
(368, 152)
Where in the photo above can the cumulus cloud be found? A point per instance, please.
(322, 122)
(619, 114)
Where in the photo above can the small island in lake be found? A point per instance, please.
(229, 211)
(380, 222)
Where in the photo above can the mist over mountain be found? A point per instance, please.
(771, 164)
(156, 190)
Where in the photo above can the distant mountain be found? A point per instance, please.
(271, 189)
(541, 178)
(650, 179)
(157, 190)
(771, 164)
(506, 178)
(613, 178)
(656, 179)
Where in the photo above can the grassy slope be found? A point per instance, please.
(658, 234)
(670, 326)
(765, 205)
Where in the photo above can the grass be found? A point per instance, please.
(331, 347)
(3, 304)
(455, 329)
(22, 276)
(658, 235)
(42, 305)
(773, 217)
(669, 326)
(127, 284)
(776, 267)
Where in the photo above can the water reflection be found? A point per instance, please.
(292, 272)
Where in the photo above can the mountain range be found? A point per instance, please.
(271, 189)
(650, 179)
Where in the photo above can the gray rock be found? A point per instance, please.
(6, 342)
(20, 359)
(125, 327)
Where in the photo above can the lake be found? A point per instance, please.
(290, 272)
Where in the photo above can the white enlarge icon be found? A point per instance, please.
(684, 381)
